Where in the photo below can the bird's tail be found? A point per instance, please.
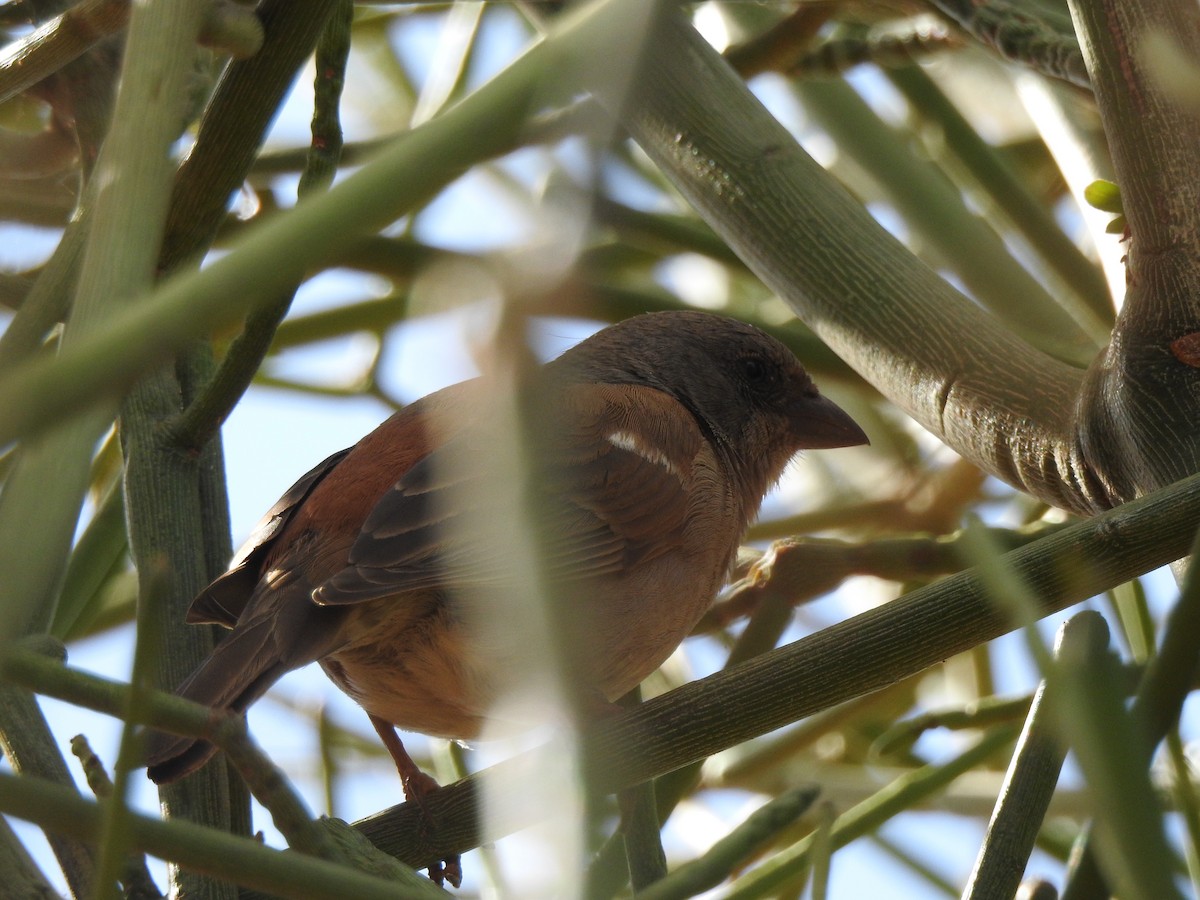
(239, 671)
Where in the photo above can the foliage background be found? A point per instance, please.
(977, 166)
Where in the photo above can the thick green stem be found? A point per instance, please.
(1139, 422)
(1002, 404)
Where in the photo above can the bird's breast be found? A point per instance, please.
(407, 659)
(442, 662)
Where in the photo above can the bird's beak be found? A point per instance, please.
(820, 424)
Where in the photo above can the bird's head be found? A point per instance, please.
(748, 392)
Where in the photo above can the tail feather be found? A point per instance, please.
(239, 671)
(281, 629)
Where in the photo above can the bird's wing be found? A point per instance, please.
(224, 601)
(613, 491)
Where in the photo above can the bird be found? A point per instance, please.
(657, 439)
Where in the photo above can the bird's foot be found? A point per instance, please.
(417, 786)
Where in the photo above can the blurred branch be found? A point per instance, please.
(961, 241)
(789, 45)
(48, 299)
(820, 856)
(912, 860)
(762, 765)
(778, 46)
(797, 570)
(983, 713)
(1070, 131)
(1087, 298)
(46, 202)
(732, 851)
(99, 552)
(49, 153)
(900, 795)
(1135, 853)
(1186, 799)
(458, 44)
(665, 233)
(934, 502)
(1165, 686)
(60, 41)
(230, 28)
(293, 160)
(274, 256)
(81, 90)
(838, 55)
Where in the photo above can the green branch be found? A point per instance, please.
(281, 251)
(206, 850)
(856, 657)
(204, 415)
(1140, 408)
(1005, 406)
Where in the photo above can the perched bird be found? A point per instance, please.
(657, 439)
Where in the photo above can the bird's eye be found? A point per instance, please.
(754, 370)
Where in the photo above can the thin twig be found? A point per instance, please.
(199, 422)
(135, 876)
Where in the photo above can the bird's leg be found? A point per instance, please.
(417, 785)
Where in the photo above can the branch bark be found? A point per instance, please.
(1139, 407)
(1004, 405)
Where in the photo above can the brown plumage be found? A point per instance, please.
(657, 439)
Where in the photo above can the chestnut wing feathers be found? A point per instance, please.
(614, 494)
(224, 601)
